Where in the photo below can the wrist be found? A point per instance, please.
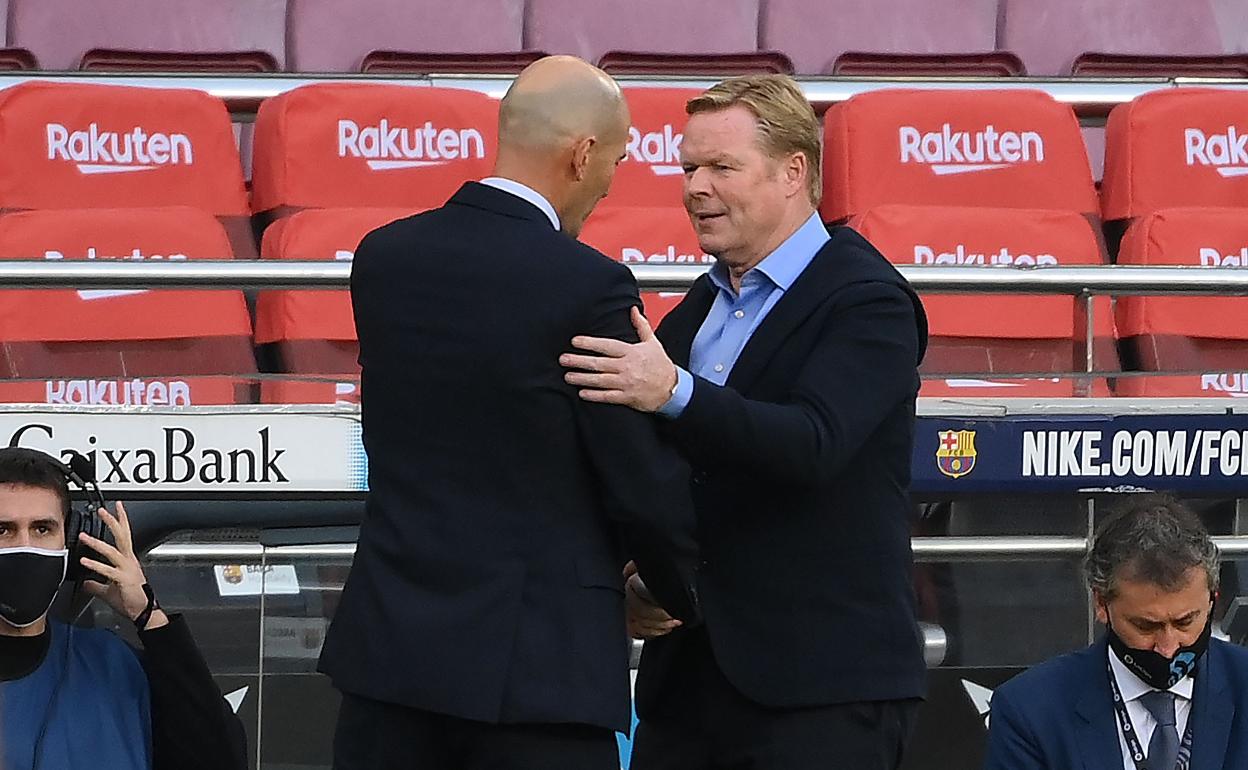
(143, 620)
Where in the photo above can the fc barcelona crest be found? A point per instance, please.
(955, 452)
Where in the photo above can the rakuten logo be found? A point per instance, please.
(119, 392)
(1233, 383)
(1215, 258)
(671, 256)
(964, 152)
(1227, 152)
(109, 152)
(387, 148)
(660, 149)
(926, 255)
(94, 253)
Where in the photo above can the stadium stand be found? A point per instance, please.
(83, 176)
(63, 333)
(421, 36)
(170, 35)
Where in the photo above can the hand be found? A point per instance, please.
(637, 375)
(124, 590)
(646, 619)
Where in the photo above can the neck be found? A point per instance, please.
(536, 178)
(791, 223)
(34, 629)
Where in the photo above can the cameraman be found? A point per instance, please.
(80, 697)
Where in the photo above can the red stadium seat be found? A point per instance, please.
(339, 37)
(996, 333)
(70, 146)
(313, 332)
(1176, 148)
(339, 145)
(62, 32)
(816, 33)
(651, 174)
(60, 333)
(1202, 334)
(1001, 149)
(654, 236)
(1051, 34)
(660, 28)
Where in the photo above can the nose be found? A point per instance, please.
(1167, 643)
(697, 183)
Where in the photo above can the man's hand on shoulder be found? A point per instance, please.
(638, 375)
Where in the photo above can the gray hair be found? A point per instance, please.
(1153, 539)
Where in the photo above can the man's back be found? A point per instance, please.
(487, 582)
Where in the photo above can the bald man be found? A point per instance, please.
(483, 622)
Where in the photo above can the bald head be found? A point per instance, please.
(556, 101)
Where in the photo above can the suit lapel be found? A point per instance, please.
(1096, 727)
(1213, 710)
(810, 289)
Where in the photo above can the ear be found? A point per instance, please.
(796, 169)
(581, 151)
(1100, 605)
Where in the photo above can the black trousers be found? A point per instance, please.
(381, 736)
(707, 724)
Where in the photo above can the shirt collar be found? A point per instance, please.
(1132, 687)
(525, 192)
(786, 263)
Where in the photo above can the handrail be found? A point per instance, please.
(1090, 97)
(926, 549)
(284, 274)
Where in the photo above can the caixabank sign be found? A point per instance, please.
(227, 449)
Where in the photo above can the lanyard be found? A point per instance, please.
(1133, 742)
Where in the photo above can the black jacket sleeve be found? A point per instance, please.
(862, 367)
(193, 727)
(643, 481)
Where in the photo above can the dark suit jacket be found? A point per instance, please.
(801, 465)
(1060, 715)
(487, 584)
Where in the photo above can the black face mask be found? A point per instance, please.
(1156, 670)
(29, 578)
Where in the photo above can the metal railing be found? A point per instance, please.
(1090, 97)
(926, 549)
(291, 274)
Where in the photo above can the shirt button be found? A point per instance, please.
(739, 314)
(719, 367)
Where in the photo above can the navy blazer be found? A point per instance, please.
(801, 469)
(1059, 715)
(488, 580)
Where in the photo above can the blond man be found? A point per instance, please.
(787, 378)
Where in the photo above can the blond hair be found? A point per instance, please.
(786, 121)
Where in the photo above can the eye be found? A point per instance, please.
(689, 168)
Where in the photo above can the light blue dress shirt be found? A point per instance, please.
(734, 316)
(525, 192)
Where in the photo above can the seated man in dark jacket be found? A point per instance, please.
(80, 697)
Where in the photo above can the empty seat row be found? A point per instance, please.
(951, 178)
(811, 36)
(345, 145)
